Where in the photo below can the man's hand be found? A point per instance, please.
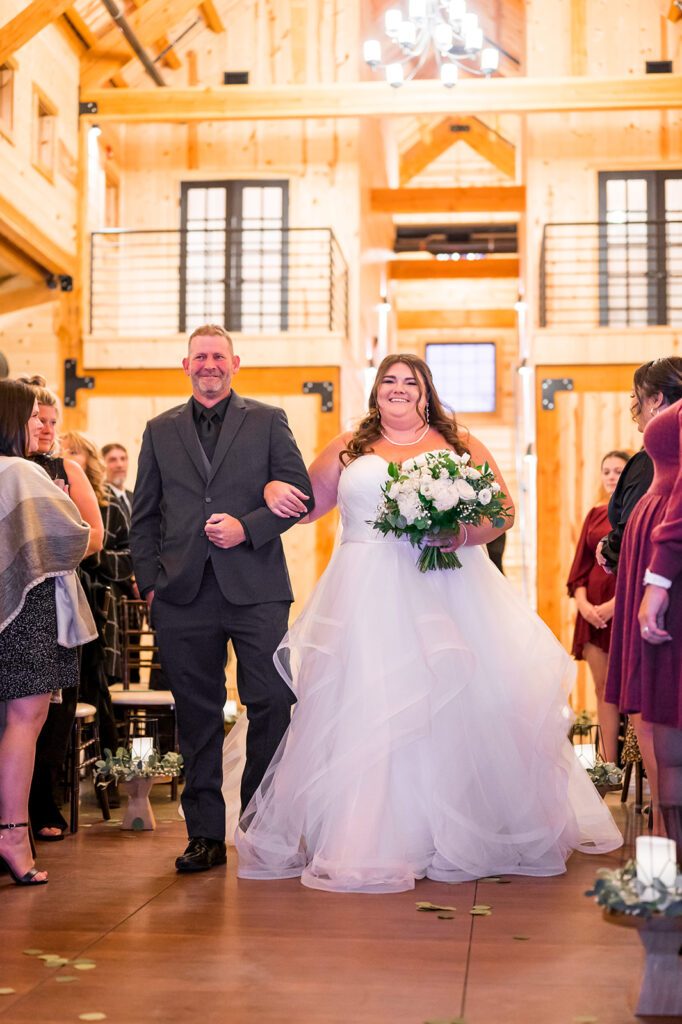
(224, 531)
(284, 499)
(652, 615)
(600, 558)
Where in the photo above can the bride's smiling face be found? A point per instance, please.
(401, 396)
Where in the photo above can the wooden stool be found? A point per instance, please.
(84, 739)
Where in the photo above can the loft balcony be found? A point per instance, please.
(263, 284)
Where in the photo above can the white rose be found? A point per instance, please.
(410, 507)
(395, 489)
(419, 460)
(485, 495)
(495, 488)
(464, 458)
(407, 465)
(465, 490)
(470, 473)
(447, 499)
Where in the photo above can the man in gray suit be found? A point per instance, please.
(209, 560)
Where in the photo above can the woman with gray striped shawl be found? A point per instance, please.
(43, 613)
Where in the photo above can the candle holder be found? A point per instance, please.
(635, 897)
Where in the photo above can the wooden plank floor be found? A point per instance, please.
(214, 949)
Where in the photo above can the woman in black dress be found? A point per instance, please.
(42, 529)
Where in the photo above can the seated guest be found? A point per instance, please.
(42, 529)
(47, 820)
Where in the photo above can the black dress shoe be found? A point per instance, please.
(201, 854)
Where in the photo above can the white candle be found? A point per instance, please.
(586, 754)
(656, 858)
(142, 748)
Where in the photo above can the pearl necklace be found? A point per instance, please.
(406, 444)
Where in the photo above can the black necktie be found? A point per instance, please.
(209, 429)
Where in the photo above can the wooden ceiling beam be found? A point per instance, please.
(23, 298)
(376, 99)
(17, 263)
(450, 319)
(170, 59)
(20, 29)
(22, 234)
(487, 143)
(485, 199)
(435, 140)
(149, 23)
(210, 15)
(433, 269)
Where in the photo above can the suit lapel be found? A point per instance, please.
(184, 421)
(234, 417)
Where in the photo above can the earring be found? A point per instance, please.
(426, 414)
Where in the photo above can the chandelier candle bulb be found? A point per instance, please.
(392, 22)
(448, 76)
(417, 9)
(442, 36)
(469, 22)
(656, 859)
(456, 11)
(407, 34)
(394, 75)
(490, 59)
(473, 40)
(371, 51)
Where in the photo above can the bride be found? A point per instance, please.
(429, 733)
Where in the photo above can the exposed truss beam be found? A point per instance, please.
(150, 22)
(376, 99)
(502, 199)
(450, 319)
(19, 264)
(23, 298)
(22, 234)
(421, 270)
(20, 29)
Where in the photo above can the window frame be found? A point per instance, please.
(40, 99)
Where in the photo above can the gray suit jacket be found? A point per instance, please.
(176, 491)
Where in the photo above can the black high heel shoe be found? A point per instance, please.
(30, 877)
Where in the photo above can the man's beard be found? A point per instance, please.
(211, 385)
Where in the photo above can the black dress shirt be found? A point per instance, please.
(209, 423)
(633, 483)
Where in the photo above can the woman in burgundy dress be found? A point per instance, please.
(644, 680)
(594, 590)
(662, 606)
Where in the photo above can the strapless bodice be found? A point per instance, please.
(359, 496)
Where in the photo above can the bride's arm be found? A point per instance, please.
(284, 500)
(483, 534)
(486, 532)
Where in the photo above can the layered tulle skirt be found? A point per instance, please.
(429, 737)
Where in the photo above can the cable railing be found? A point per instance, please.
(611, 274)
(157, 283)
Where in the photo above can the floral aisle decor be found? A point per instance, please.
(655, 911)
(606, 776)
(135, 776)
(620, 891)
(435, 494)
(122, 766)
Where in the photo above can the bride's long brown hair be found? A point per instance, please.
(369, 428)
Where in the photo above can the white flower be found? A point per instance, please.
(410, 507)
(484, 495)
(465, 490)
(446, 499)
(407, 465)
(464, 458)
(495, 488)
(419, 460)
(470, 473)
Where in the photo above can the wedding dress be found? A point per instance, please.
(429, 737)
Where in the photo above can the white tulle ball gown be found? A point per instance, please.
(429, 737)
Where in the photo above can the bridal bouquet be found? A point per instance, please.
(436, 492)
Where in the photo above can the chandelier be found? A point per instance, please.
(444, 26)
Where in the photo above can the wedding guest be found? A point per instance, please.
(594, 592)
(115, 458)
(109, 576)
(660, 616)
(631, 684)
(47, 820)
(42, 529)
